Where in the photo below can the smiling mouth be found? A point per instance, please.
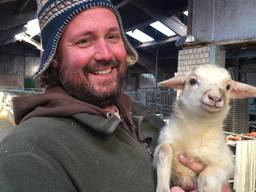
(211, 107)
(103, 72)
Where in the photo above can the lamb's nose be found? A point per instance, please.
(215, 98)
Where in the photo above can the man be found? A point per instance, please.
(83, 133)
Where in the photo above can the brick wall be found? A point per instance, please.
(193, 57)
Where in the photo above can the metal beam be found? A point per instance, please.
(141, 25)
(172, 22)
(8, 34)
(6, 1)
(175, 24)
(154, 43)
(16, 20)
(24, 6)
(123, 3)
(241, 54)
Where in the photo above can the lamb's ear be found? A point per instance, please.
(177, 82)
(241, 90)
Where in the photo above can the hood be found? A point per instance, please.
(55, 102)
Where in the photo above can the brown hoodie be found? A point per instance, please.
(56, 102)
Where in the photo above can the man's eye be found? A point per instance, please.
(84, 42)
(114, 37)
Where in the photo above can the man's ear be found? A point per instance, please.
(54, 63)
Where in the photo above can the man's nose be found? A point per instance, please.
(102, 51)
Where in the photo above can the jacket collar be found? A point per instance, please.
(106, 125)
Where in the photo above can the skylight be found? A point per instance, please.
(162, 28)
(32, 28)
(140, 36)
(185, 13)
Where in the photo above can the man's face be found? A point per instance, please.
(92, 57)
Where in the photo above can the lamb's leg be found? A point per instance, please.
(163, 162)
(211, 179)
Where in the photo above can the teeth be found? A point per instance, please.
(104, 72)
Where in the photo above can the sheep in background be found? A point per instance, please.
(195, 129)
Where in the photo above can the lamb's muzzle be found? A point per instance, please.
(213, 99)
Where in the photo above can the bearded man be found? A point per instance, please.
(83, 134)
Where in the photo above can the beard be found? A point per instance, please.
(76, 83)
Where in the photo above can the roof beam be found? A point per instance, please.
(141, 25)
(123, 3)
(16, 20)
(6, 1)
(170, 21)
(154, 43)
(24, 6)
(147, 63)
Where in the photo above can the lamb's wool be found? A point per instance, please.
(195, 129)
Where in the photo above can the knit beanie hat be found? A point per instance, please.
(54, 16)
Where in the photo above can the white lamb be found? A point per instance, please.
(195, 129)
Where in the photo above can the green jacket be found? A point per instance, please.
(81, 152)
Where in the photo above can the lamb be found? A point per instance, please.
(195, 129)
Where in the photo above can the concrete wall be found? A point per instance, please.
(224, 21)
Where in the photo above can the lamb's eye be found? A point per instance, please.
(228, 87)
(192, 81)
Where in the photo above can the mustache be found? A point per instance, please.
(93, 66)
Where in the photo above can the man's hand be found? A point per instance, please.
(197, 167)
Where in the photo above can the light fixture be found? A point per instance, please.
(140, 36)
(162, 28)
(190, 39)
(185, 13)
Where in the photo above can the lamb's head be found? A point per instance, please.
(207, 90)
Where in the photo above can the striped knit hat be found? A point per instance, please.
(54, 16)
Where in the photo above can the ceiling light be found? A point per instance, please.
(190, 39)
(185, 13)
(162, 28)
(19, 36)
(32, 28)
(140, 36)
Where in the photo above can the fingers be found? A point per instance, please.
(226, 188)
(176, 189)
(195, 166)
